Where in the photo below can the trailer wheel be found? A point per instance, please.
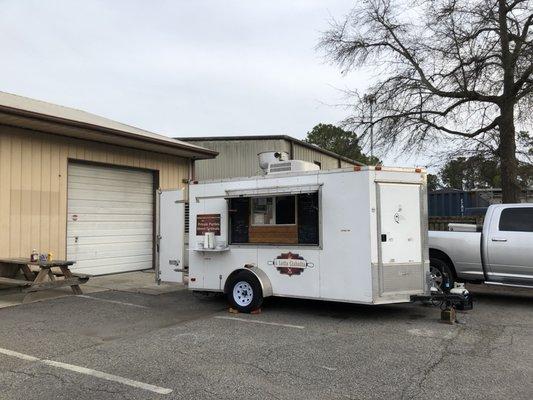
(441, 274)
(244, 292)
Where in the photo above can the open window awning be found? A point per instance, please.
(272, 191)
(266, 191)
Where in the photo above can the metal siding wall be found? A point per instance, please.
(345, 164)
(446, 203)
(33, 182)
(307, 154)
(237, 157)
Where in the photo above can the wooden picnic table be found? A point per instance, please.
(44, 278)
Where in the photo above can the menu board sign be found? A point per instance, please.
(207, 223)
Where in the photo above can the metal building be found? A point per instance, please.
(237, 155)
(83, 187)
(454, 202)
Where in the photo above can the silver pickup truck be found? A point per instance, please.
(500, 253)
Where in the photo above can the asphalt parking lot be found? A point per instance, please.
(114, 345)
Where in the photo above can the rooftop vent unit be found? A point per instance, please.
(272, 162)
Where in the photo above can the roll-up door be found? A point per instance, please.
(110, 219)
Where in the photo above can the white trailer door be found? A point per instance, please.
(400, 230)
(171, 233)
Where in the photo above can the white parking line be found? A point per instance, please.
(18, 355)
(112, 301)
(261, 322)
(88, 371)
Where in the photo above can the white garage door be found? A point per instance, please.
(110, 219)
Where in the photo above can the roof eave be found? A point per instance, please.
(272, 137)
(83, 130)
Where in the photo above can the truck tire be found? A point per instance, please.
(442, 274)
(244, 292)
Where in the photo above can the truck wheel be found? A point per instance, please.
(441, 274)
(245, 293)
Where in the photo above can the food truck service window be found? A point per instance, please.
(274, 210)
(289, 219)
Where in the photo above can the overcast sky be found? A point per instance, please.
(180, 68)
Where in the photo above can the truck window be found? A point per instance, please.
(274, 220)
(279, 210)
(517, 219)
(263, 211)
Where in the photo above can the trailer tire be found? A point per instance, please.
(244, 292)
(441, 274)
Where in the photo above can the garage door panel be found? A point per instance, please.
(110, 219)
(117, 261)
(126, 248)
(107, 180)
(102, 240)
(122, 174)
(104, 195)
(97, 226)
(91, 252)
(110, 205)
(101, 208)
(106, 258)
(109, 232)
(114, 186)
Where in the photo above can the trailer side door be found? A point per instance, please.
(170, 243)
(401, 267)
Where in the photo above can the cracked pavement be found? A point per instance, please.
(344, 352)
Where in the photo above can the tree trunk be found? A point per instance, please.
(507, 154)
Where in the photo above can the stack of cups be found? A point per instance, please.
(209, 240)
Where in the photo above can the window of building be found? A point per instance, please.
(318, 163)
(517, 219)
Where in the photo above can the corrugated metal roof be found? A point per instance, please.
(271, 137)
(40, 115)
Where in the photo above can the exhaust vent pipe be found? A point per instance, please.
(271, 157)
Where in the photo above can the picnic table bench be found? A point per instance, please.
(44, 278)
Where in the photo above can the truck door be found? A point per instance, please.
(170, 236)
(509, 245)
(400, 238)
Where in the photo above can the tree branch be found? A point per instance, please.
(469, 135)
(472, 95)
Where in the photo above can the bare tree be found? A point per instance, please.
(448, 70)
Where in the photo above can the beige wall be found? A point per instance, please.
(33, 185)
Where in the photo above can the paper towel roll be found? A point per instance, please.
(211, 240)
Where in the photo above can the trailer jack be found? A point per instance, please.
(457, 298)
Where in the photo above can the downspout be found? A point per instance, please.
(192, 171)
(291, 150)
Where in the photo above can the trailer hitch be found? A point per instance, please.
(447, 300)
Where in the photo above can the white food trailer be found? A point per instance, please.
(354, 235)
